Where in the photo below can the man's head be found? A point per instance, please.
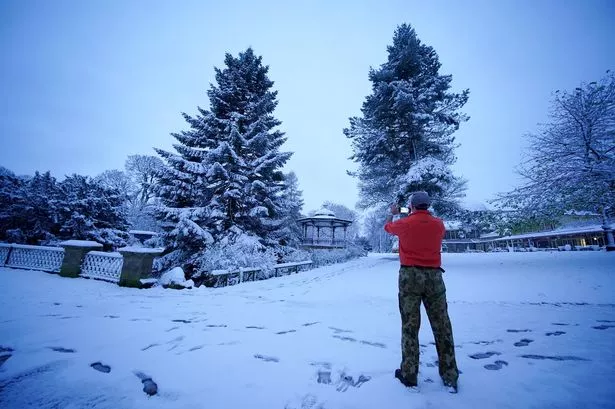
(420, 201)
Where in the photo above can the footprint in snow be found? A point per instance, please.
(324, 365)
(496, 366)
(286, 332)
(484, 355)
(524, 342)
(4, 358)
(607, 321)
(149, 346)
(266, 358)
(254, 327)
(323, 376)
(373, 344)
(485, 343)
(149, 386)
(308, 401)
(182, 321)
(555, 333)
(349, 339)
(554, 358)
(339, 330)
(63, 350)
(309, 324)
(100, 367)
(518, 330)
(602, 327)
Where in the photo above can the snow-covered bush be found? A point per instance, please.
(322, 257)
(176, 279)
(233, 253)
(291, 254)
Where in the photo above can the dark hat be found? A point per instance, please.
(420, 198)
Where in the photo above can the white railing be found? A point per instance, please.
(102, 266)
(5, 249)
(226, 277)
(33, 257)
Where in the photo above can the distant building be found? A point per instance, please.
(324, 230)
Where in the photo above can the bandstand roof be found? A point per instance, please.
(324, 218)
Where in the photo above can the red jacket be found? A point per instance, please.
(420, 239)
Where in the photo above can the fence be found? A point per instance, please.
(110, 266)
(102, 266)
(81, 259)
(225, 277)
(32, 257)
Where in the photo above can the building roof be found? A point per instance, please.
(563, 231)
(324, 218)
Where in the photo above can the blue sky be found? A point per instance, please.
(86, 83)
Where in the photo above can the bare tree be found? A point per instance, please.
(144, 171)
(118, 180)
(570, 162)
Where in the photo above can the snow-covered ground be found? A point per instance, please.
(266, 344)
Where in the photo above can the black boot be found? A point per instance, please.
(451, 386)
(403, 380)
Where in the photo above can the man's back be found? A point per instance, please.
(420, 239)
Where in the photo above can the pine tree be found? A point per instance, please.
(90, 211)
(12, 207)
(225, 179)
(291, 233)
(404, 140)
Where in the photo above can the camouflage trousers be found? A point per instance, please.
(418, 284)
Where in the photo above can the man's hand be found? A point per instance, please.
(394, 209)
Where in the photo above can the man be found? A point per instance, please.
(420, 279)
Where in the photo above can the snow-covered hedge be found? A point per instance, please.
(326, 256)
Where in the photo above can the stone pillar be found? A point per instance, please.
(74, 253)
(137, 265)
(608, 236)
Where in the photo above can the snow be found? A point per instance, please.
(262, 344)
(452, 225)
(144, 232)
(80, 243)
(143, 250)
(105, 254)
(293, 264)
(173, 276)
(474, 206)
(324, 213)
(595, 228)
(29, 247)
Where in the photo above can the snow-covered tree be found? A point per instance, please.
(404, 140)
(290, 232)
(343, 212)
(225, 179)
(570, 161)
(144, 170)
(373, 229)
(120, 181)
(91, 211)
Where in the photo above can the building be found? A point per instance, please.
(324, 230)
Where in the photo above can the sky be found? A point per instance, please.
(84, 84)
